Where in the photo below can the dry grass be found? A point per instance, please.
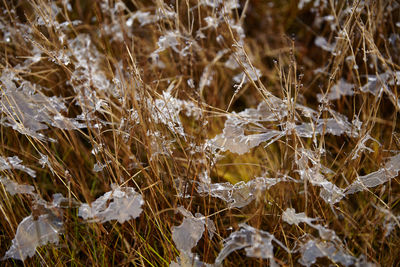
(146, 154)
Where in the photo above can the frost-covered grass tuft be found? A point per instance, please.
(199, 133)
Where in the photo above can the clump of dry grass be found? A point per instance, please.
(162, 96)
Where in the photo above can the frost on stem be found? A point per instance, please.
(187, 235)
(257, 243)
(32, 233)
(14, 162)
(122, 204)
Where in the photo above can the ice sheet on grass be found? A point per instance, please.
(361, 146)
(342, 88)
(257, 243)
(44, 161)
(240, 194)
(389, 171)
(167, 109)
(315, 248)
(122, 204)
(233, 137)
(328, 245)
(323, 43)
(14, 162)
(13, 187)
(187, 235)
(246, 130)
(32, 233)
(28, 110)
(188, 259)
(329, 192)
(390, 220)
(291, 217)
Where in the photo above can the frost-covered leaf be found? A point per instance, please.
(33, 233)
(122, 204)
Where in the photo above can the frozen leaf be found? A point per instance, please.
(33, 233)
(15, 188)
(257, 243)
(122, 204)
